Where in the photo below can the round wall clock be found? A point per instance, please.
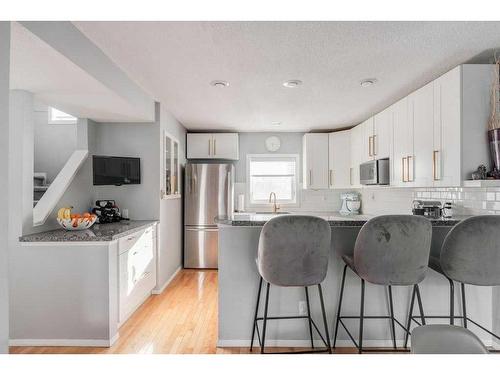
(273, 144)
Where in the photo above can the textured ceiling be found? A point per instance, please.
(58, 82)
(175, 61)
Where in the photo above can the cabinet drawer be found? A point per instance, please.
(128, 242)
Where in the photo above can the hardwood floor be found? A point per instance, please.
(183, 320)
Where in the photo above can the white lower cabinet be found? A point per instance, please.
(137, 270)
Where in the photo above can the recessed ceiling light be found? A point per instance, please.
(368, 82)
(219, 83)
(276, 123)
(292, 83)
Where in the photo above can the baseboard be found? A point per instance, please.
(162, 288)
(307, 343)
(64, 342)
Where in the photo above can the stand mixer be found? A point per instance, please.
(351, 203)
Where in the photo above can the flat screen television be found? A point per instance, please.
(114, 170)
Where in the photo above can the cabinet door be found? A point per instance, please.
(420, 165)
(447, 125)
(367, 143)
(225, 146)
(339, 163)
(382, 133)
(357, 147)
(199, 146)
(402, 144)
(315, 149)
(137, 272)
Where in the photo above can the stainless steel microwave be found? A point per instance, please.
(374, 172)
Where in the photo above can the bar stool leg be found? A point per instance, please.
(420, 306)
(309, 318)
(339, 307)
(452, 302)
(361, 317)
(464, 310)
(410, 315)
(391, 308)
(255, 315)
(327, 333)
(264, 325)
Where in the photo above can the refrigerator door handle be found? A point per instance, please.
(201, 229)
(229, 205)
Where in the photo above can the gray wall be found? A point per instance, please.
(4, 182)
(134, 140)
(54, 144)
(171, 212)
(255, 143)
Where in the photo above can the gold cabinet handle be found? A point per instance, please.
(350, 176)
(403, 169)
(408, 158)
(310, 177)
(434, 165)
(209, 147)
(370, 146)
(373, 145)
(215, 146)
(330, 178)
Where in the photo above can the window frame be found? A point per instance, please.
(60, 122)
(273, 157)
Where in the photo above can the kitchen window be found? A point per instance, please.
(59, 117)
(272, 173)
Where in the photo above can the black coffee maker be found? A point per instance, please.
(107, 211)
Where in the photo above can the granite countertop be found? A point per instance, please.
(335, 219)
(97, 233)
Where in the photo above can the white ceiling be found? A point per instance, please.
(58, 82)
(175, 61)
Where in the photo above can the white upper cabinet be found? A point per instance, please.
(358, 151)
(447, 127)
(422, 115)
(315, 161)
(367, 135)
(402, 143)
(225, 146)
(339, 159)
(212, 146)
(382, 134)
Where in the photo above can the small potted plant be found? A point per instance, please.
(494, 122)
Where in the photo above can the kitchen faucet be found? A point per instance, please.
(275, 206)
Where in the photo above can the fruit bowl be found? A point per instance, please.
(79, 223)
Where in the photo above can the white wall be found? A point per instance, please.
(54, 144)
(4, 183)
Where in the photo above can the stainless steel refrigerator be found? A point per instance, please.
(208, 193)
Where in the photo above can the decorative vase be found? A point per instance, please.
(494, 140)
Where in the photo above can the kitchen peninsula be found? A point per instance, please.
(75, 288)
(238, 284)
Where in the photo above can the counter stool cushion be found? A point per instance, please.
(393, 249)
(445, 339)
(471, 251)
(293, 250)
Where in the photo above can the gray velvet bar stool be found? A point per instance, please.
(293, 252)
(445, 339)
(390, 250)
(470, 254)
